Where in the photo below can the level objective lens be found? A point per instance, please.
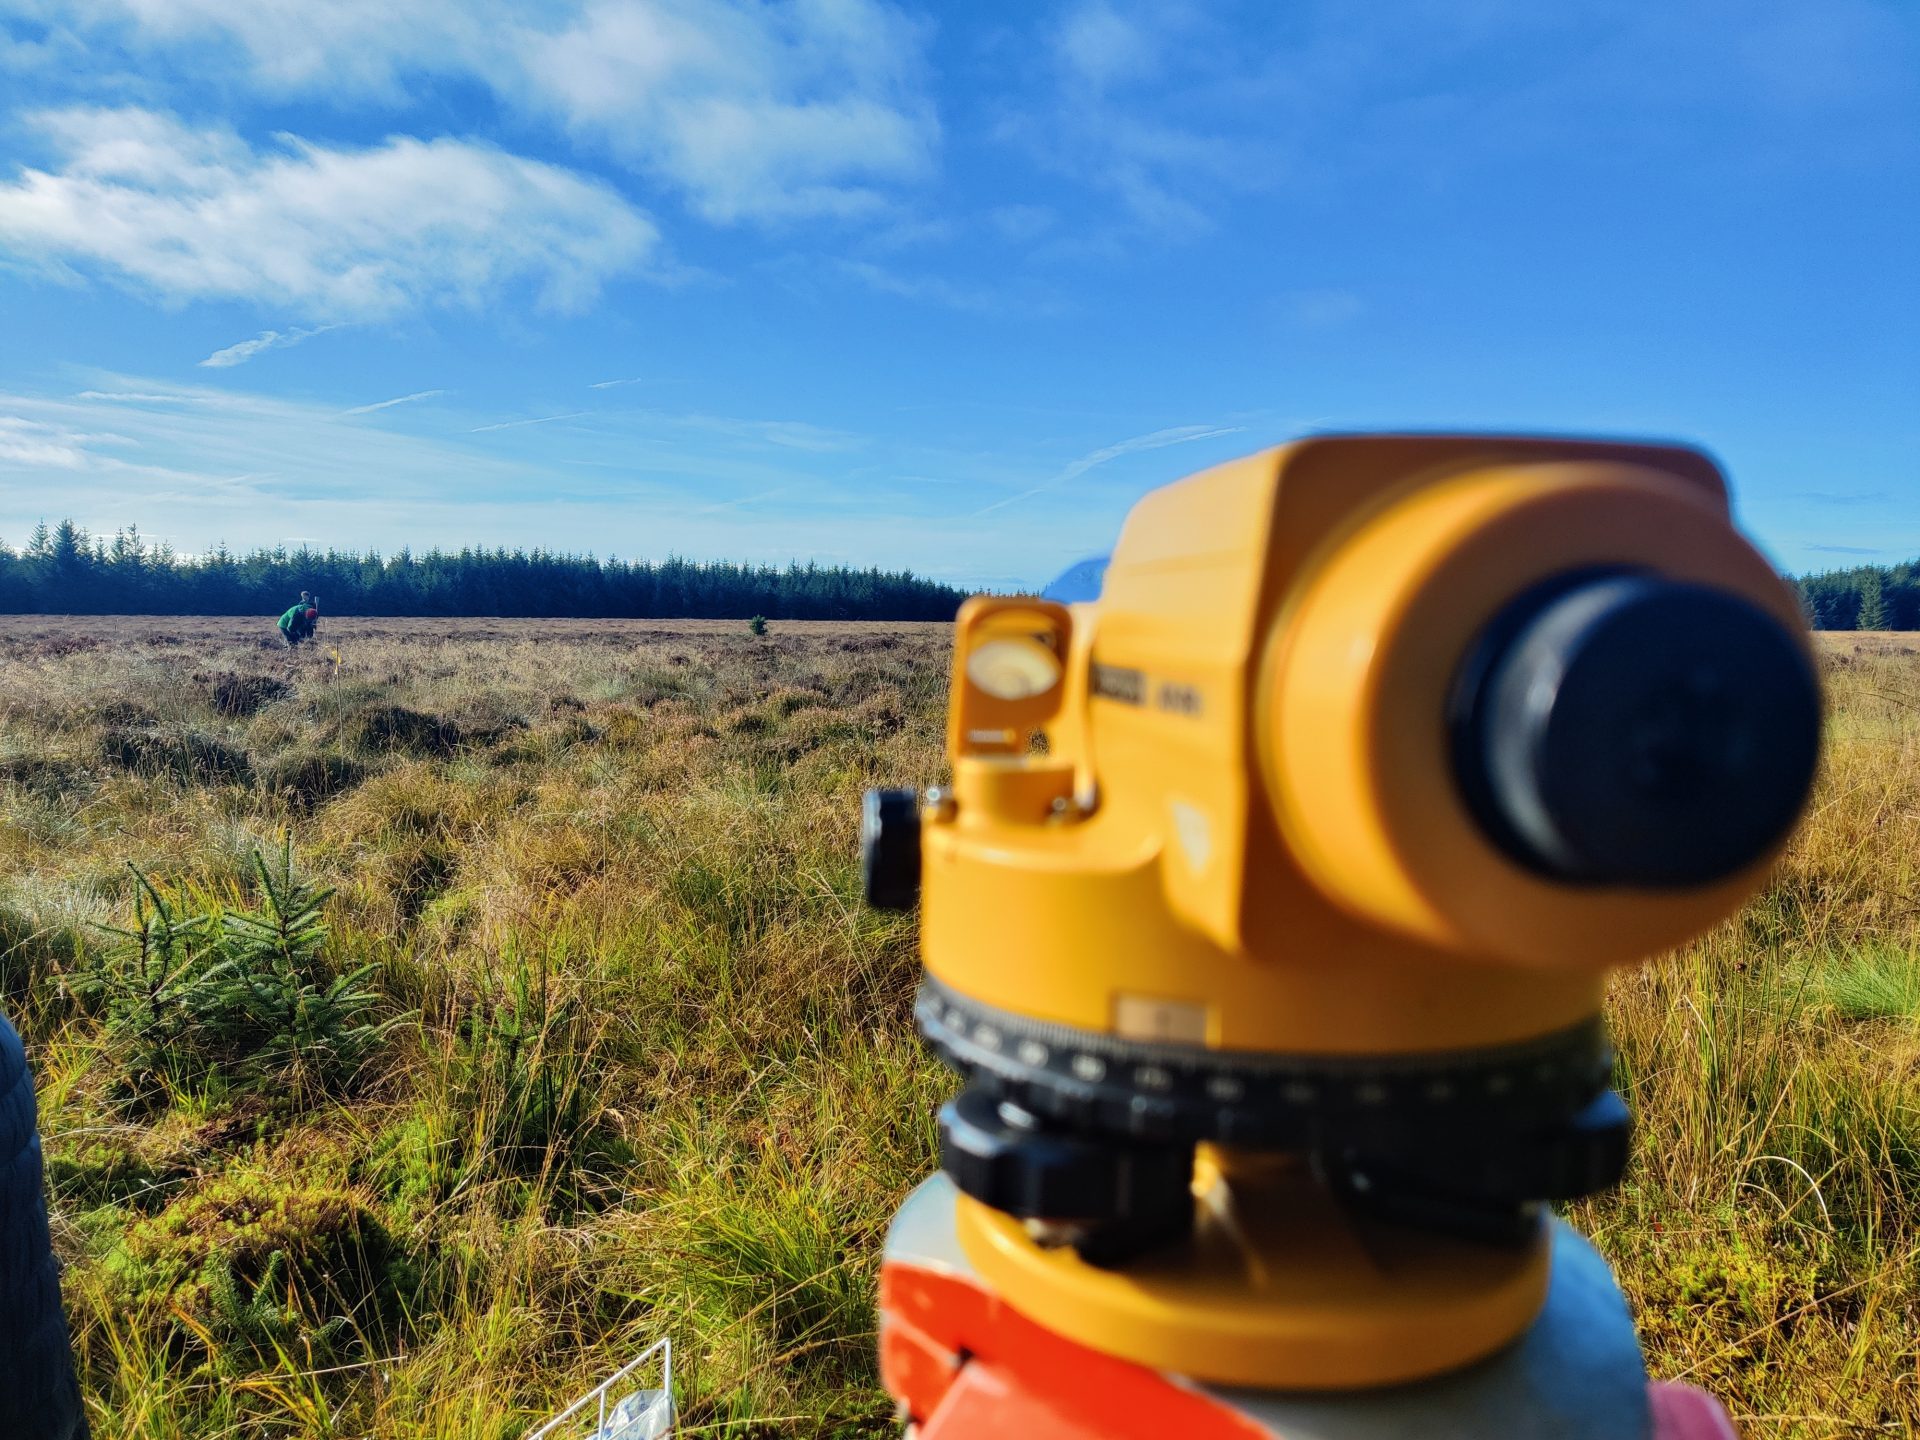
(1625, 729)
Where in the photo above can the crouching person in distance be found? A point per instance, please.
(300, 619)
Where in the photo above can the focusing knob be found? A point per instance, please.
(890, 849)
(1624, 729)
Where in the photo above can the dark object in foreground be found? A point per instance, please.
(39, 1397)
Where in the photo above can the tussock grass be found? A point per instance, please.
(654, 1070)
(1877, 982)
(1769, 1230)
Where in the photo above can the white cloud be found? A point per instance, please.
(200, 463)
(934, 288)
(741, 502)
(37, 55)
(242, 351)
(1101, 46)
(753, 109)
(1176, 110)
(341, 234)
(1156, 440)
(389, 404)
(756, 435)
(137, 397)
(358, 46)
(1134, 105)
(25, 442)
(537, 420)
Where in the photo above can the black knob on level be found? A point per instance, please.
(1483, 1189)
(890, 849)
(1117, 1199)
(1624, 729)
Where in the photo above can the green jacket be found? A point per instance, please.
(293, 618)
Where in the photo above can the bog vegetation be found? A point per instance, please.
(425, 1022)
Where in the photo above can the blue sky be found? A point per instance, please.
(941, 286)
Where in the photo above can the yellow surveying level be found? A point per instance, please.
(1268, 911)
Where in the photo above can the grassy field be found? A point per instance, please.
(592, 1041)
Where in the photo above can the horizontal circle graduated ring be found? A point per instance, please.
(1157, 1092)
(1357, 683)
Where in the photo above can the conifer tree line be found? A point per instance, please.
(1866, 597)
(62, 570)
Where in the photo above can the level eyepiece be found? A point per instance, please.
(1620, 728)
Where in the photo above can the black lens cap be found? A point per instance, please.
(1625, 729)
